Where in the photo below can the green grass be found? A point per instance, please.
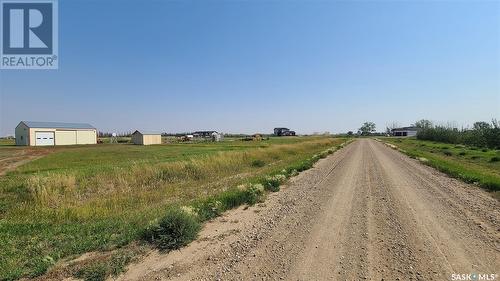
(7, 142)
(86, 198)
(469, 164)
(106, 157)
(99, 269)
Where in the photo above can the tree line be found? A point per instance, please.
(482, 134)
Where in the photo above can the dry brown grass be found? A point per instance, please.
(146, 181)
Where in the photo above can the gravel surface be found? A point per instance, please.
(365, 213)
(13, 157)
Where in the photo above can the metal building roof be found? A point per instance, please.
(57, 125)
(411, 128)
(147, 132)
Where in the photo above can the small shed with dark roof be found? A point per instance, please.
(142, 137)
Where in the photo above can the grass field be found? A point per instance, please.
(7, 142)
(470, 164)
(85, 198)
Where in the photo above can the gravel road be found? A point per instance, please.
(367, 212)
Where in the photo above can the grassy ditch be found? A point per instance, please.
(479, 166)
(100, 198)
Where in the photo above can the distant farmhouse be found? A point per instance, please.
(405, 131)
(203, 134)
(146, 138)
(213, 135)
(34, 133)
(283, 132)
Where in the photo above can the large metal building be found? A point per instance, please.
(54, 133)
(405, 132)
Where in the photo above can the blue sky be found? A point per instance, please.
(249, 66)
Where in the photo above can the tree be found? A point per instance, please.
(367, 128)
(481, 125)
(423, 124)
(350, 133)
(393, 125)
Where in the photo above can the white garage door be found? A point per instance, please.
(44, 138)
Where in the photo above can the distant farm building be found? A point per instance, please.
(212, 135)
(283, 132)
(203, 134)
(54, 133)
(405, 132)
(146, 138)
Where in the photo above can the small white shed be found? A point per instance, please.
(146, 138)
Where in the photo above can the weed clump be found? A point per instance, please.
(258, 163)
(95, 272)
(176, 229)
(273, 183)
(209, 208)
(293, 172)
(495, 159)
(99, 270)
(231, 199)
(255, 193)
(315, 157)
(423, 159)
(213, 207)
(305, 165)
